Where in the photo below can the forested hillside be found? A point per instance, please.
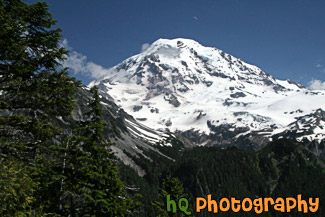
(281, 169)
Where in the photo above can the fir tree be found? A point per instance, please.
(34, 89)
(173, 187)
(33, 85)
(16, 188)
(90, 184)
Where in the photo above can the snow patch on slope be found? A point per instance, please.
(179, 85)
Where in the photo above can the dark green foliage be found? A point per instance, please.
(137, 186)
(33, 84)
(75, 177)
(33, 89)
(295, 171)
(174, 188)
(16, 189)
(90, 182)
(220, 172)
(281, 169)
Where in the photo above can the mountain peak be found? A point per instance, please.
(171, 47)
(186, 62)
(180, 85)
(177, 42)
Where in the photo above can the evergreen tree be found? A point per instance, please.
(174, 188)
(34, 89)
(90, 184)
(16, 189)
(33, 85)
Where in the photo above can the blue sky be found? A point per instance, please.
(283, 37)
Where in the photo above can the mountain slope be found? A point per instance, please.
(129, 137)
(206, 95)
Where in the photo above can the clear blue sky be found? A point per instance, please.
(286, 38)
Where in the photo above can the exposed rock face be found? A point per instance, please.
(207, 95)
(127, 135)
(309, 131)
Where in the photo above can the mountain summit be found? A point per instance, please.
(208, 96)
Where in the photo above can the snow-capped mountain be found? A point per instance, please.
(208, 96)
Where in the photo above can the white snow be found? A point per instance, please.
(147, 134)
(205, 82)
